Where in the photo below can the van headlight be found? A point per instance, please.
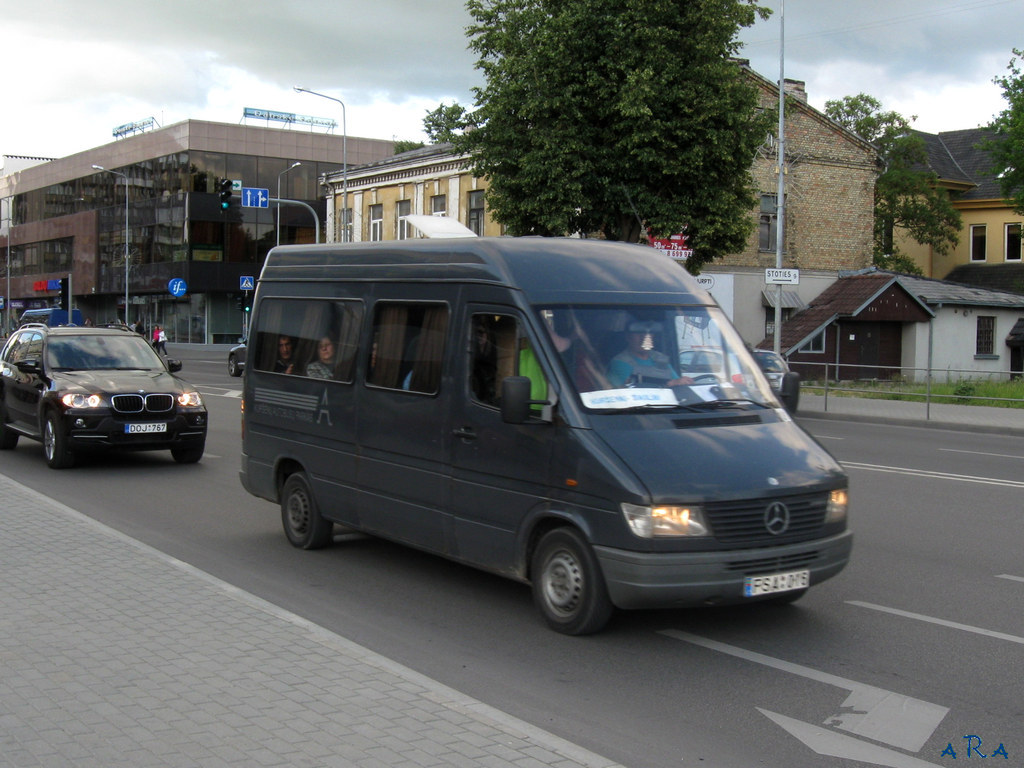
(838, 501)
(650, 522)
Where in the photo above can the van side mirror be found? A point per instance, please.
(515, 399)
(789, 391)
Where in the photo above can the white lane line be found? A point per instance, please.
(929, 473)
(875, 713)
(1011, 578)
(982, 453)
(940, 622)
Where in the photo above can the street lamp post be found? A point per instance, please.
(344, 160)
(127, 235)
(282, 173)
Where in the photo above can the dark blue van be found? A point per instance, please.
(574, 414)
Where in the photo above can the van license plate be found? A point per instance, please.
(140, 429)
(775, 582)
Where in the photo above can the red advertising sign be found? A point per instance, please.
(675, 246)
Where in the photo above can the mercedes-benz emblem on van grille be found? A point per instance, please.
(776, 518)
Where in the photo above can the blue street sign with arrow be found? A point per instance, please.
(255, 197)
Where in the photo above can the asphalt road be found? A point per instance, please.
(917, 646)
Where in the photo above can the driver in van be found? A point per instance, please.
(639, 364)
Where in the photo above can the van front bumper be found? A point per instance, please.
(673, 579)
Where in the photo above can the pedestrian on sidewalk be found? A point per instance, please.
(160, 340)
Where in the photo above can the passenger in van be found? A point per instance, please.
(323, 366)
(576, 350)
(285, 355)
(639, 364)
(485, 362)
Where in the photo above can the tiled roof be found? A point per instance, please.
(844, 298)
(955, 156)
(1007, 278)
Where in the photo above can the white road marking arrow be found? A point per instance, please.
(832, 744)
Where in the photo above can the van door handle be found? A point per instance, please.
(466, 433)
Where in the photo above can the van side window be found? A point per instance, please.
(408, 346)
(499, 349)
(493, 349)
(315, 338)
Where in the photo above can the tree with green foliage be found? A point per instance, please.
(446, 123)
(407, 145)
(907, 195)
(617, 117)
(1007, 146)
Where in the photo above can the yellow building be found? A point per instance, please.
(988, 253)
(433, 180)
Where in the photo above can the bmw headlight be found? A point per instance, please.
(838, 501)
(81, 400)
(189, 400)
(651, 522)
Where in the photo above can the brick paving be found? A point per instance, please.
(114, 654)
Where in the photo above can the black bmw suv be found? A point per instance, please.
(79, 389)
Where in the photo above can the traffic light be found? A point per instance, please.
(64, 300)
(225, 194)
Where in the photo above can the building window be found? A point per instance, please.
(978, 242)
(815, 344)
(986, 335)
(438, 205)
(768, 229)
(475, 215)
(402, 209)
(769, 319)
(1013, 242)
(346, 225)
(376, 222)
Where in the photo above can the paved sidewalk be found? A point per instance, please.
(977, 418)
(113, 654)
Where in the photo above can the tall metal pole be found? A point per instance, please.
(282, 173)
(127, 235)
(780, 203)
(7, 294)
(344, 160)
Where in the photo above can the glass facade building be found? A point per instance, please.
(65, 218)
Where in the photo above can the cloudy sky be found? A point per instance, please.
(75, 69)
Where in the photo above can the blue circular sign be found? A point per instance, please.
(177, 286)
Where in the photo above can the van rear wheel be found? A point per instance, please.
(303, 525)
(568, 588)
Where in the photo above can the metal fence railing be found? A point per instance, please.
(947, 385)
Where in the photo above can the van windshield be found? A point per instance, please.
(629, 357)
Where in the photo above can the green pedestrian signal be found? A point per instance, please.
(225, 194)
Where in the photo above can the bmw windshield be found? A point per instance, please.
(88, 352)
(628, 357)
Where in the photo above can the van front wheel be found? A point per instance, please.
(303, 525)
(568, 588)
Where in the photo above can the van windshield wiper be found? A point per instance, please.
(740, 403)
